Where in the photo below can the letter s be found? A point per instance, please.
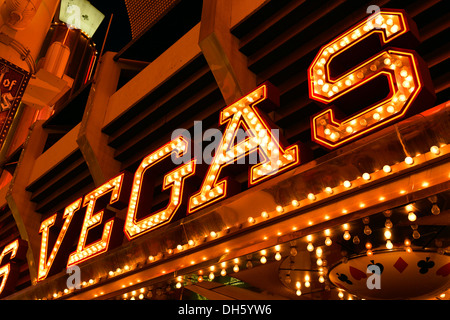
(408, 79)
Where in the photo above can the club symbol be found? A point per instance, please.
(425, 265)
(344, 278)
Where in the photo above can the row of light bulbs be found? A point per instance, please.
(434, 150)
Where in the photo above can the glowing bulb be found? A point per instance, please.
(409, 160)
(328, 241)
(319, 252)
(278, 256)
(298, 285)
(321, 279)
(368, 245)
(298, 293)
(412, 216)
(347, 235)
(319, 262)
(279, 209)
(264, 214)
(389, 244)
(387, 234)
(366, 176)
(295, 203)
(236, 268)
(263, 259)
(435, 150)
(310, 247)
(387, 169)
(311, 196)
(347, 184)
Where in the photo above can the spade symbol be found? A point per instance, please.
(424, 265)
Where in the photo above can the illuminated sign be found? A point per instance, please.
(404, 70)
(10, 257)
(274, 156)
(80, 14)
(13, 81)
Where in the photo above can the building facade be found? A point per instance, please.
(244, 149)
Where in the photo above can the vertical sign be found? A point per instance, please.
(13, 81)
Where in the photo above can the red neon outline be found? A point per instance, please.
(67, 216)
(223, 183)
(105, 237)
(166, 186)
(403, 28)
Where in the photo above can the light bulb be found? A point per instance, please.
(310, 247)
(298, 285)
(387, 169)
(356, 240)
(278, 256)
(223, 272)
(368, 245)
(416, 234)
(435, 150)
(178, 285)
(389, 244)
(321, 279)
(319, 252)
(367, 230)
(249, 265)
(340, 294)
(295, 203)
(435, 209)
(319, 261)
(347, 184)
(347, 235)
(328, 241)
(211, 275)
(236, 268)
(263, 259)
(387, 234)
(388, 224)
(293, 251)
(298, 293)
(366, 176)
(412, 216)
(307, 284)
(409, 160)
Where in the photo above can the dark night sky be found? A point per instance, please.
(120, 31)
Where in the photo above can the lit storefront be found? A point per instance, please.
(232, 150)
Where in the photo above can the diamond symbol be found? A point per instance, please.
(400, 265)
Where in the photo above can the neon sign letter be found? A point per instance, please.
(174, 180)
(86, 251)
(276, 158)
(400, 67)
(10, 271)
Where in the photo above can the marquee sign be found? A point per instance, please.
(13, 81)
(405, 71)
(402, 69)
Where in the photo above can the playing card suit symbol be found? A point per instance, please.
(357, 274)
(425, 265)
(444, 270)
(344, 278)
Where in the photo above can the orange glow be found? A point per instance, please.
(9, 272)
(45, 262)
(174, 180)
(91, 220)
(399, 66)
(260, 137)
